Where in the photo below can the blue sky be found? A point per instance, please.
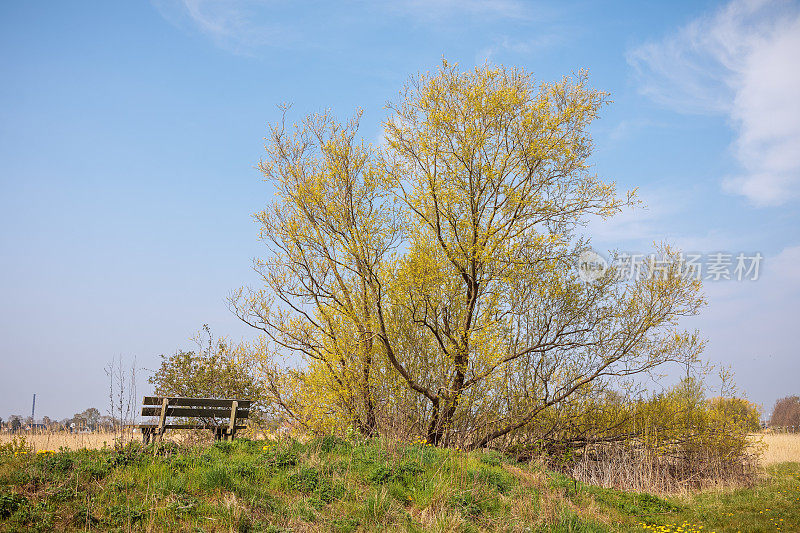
(129, 134)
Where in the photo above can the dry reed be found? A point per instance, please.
(779, 447)
(641, 469)
(53, 440)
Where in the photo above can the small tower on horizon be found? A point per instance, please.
(33, 410)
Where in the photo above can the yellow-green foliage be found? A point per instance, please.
(681, 414)
(669, 441)
(429, 285)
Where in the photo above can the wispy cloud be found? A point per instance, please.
(239, 27)
(437, 9)
(506, 44)
(741, 61)
(665, 215)
(243, 26)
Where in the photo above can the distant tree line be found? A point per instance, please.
(786, 414)
(87, 420)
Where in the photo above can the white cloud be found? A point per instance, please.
(244, 25)
(506, 44)
(238, 27)
(663, 216)
(741, 62)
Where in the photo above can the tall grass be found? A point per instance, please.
(639, 468)
(55, 440)
(779, 447)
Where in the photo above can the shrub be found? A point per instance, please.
(219, 368)
(669, 442)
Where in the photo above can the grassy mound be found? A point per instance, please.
(332, 485)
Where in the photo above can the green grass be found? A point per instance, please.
(332, 485)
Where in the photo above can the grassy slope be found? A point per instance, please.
(331, 485)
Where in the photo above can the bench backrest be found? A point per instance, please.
(195, 407)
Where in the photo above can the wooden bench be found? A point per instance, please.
(223, 416)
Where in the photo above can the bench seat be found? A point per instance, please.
(213, 413)
(185, 426)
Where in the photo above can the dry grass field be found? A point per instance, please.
(780, 448)
(53, 440)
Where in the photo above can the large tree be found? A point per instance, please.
(431, 284)
(328, 233)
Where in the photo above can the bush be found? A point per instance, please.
(219, 368)
(669, 442)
